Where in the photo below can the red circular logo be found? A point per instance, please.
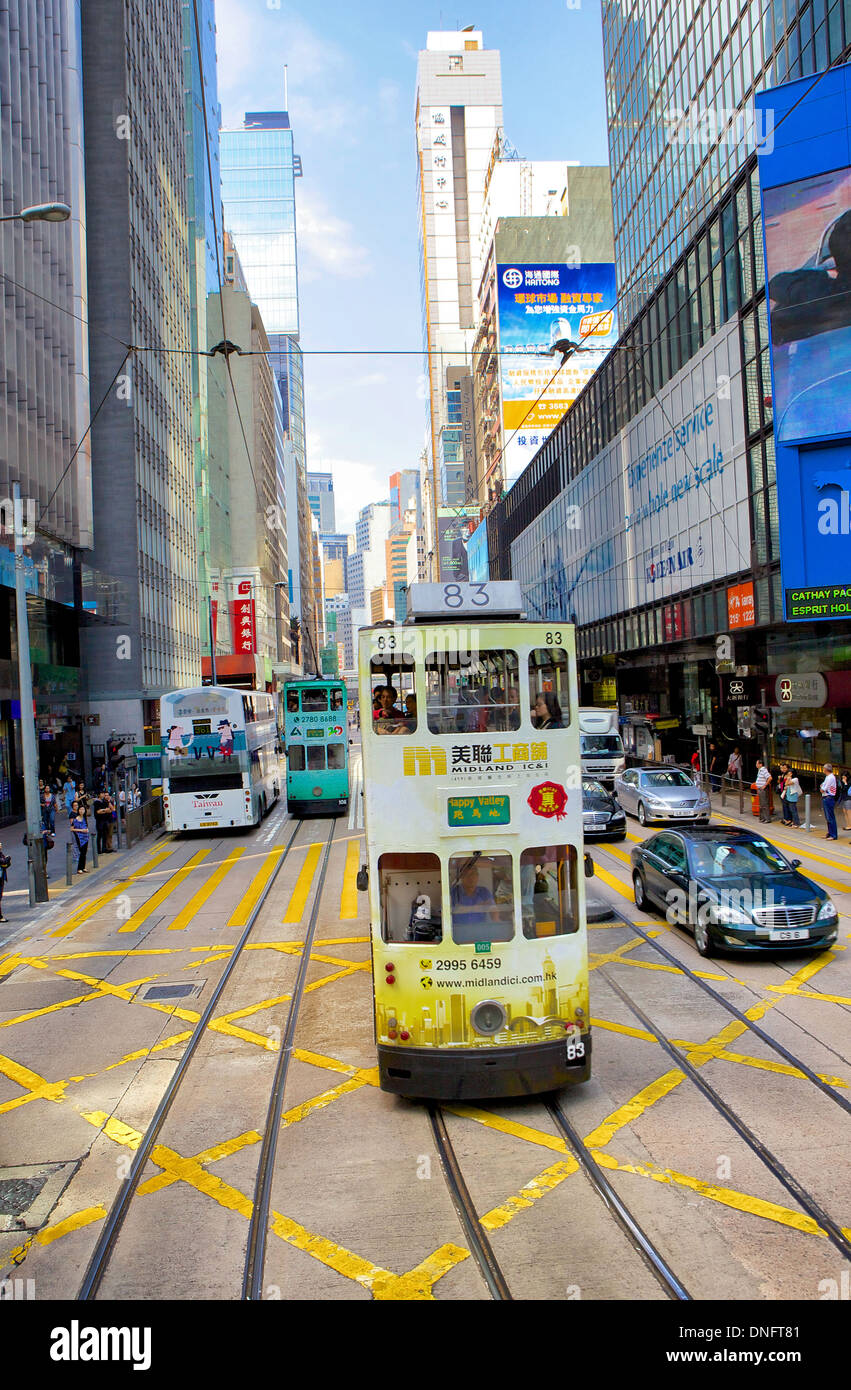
(548, 799)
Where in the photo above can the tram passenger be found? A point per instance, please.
(473, 906)
(410, 713)
(547, 712)
(292, 702)
(388, 718)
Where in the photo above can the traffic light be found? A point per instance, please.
(114, 756)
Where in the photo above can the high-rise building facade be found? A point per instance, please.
(44, 382)
(680, 81)
(320, 492)
(458, 115)
(139, 289)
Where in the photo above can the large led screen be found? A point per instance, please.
(808, 251)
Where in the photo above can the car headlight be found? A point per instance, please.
(826, 912)
(617, 815)
(729, 914)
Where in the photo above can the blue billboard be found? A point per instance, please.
(477, 554)
(805, 181)
(556, 325)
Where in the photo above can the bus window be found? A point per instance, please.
(314, 701)
(472, 695)
(549, 691)
(336, 755)
(394, 703)
(292, 702)
(548, 892)
(409, 889)
(295, 757)
(336, 699)
(482, 897)
(316, 757)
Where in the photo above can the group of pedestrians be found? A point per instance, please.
(835, 795)
(81, 808)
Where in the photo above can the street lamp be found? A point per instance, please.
(40, 212)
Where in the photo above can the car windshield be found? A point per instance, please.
(674, 778)
(600, 743)
(590, 788)
(725, 859)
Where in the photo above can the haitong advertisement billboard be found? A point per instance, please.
(549, 314)
(805, 182)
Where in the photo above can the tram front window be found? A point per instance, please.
(336, 755)
(316, 757)
(548, 892)
(336, 699)
(394, 702)
(472, 694)
(295, 757)
(549, 688)
(314, 701)
(409, 889)
(482, 898)
(292, 702)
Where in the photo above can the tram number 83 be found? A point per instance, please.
(575, 1050)
(453, 598)
(553, 639)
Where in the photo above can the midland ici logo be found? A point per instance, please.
(834, 512)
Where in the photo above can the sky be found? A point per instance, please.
(351, 84)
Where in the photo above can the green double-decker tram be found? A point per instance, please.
(317, 746)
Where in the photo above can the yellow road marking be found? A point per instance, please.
(197, 901)
(349, 895)
(35, 1086)
(417, 1284)
(298, 901)
(88, 909)
(211, 1155)
(258, 883)
(157, 899)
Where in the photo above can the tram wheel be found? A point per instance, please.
(639, 893)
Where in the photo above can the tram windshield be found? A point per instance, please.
(472, 694)
(482, 897)
(394, 701)
(314, 701)
(548, 891)
(549, 688)
(409, 890)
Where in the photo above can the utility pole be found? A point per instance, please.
(213, 680)
(35, 843)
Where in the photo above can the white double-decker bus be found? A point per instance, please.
(219, 757)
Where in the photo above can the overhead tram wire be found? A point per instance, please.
(107, 393)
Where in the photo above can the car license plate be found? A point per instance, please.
(790, 934)
(211, 822)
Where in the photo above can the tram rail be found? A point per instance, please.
(477, 1237)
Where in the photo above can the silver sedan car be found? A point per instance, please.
(661, 793)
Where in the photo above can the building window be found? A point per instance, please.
(456, 63)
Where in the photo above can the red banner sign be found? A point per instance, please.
(242, 616)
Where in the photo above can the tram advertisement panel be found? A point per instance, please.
(474, 825)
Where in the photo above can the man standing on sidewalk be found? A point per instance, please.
(761, 786)
(828, 801)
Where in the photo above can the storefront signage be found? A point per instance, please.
(803, 690)
(740, 606)
(739, 690)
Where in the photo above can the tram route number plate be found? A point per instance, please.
(478, 810)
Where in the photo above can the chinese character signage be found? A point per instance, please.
(740, 606)
(544, 312)
(242, 616)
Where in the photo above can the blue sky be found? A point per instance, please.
(352, 77)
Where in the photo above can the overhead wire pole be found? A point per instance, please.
(35, 843)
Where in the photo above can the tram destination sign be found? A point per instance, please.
(478, 810)
(499, 598)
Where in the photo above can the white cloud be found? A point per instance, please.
(326, 242)
(253, 42)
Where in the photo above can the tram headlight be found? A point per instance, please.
(488, 1017)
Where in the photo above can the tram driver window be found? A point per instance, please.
(316, 757)
(394, 700)
(481, 896)
(314, 701)
(549, 687)
(548, 893)
(409, 891)
(295, 757)
(336, 699)
(470, 694)
(336, 755)
(292, 702)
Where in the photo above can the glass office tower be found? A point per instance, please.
(680, 81)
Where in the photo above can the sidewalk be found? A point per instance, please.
(789, 836)
(16, 905)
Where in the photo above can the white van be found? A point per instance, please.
(600, 744)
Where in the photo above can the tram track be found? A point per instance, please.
(477, 1237)
(110, 1233)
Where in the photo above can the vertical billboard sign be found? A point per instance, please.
(242, 615)
(805, 182)
(549, 314)
(455, 526)
(477, 555)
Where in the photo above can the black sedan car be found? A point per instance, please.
(733, 889)
(602, 817)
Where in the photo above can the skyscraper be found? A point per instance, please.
(139, 287)
(320, 492)
(680, 81)
(459, 112)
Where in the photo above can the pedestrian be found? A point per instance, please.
(48, 810)
(103, 821)
(83, 799)
(782, 782)
(5, 865)
(69, 792)
(713, 757)
(792, 794)
(843, 798)
(695, 761)
(828, 801)
(48, 841)
(734, 766)
(80, 831)
(761, 787)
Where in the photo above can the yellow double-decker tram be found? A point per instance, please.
(473, 824)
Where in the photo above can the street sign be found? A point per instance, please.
(700, 729)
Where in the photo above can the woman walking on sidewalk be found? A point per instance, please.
(843, 798)
(791, 795)
(80, 831)
(782, 782)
